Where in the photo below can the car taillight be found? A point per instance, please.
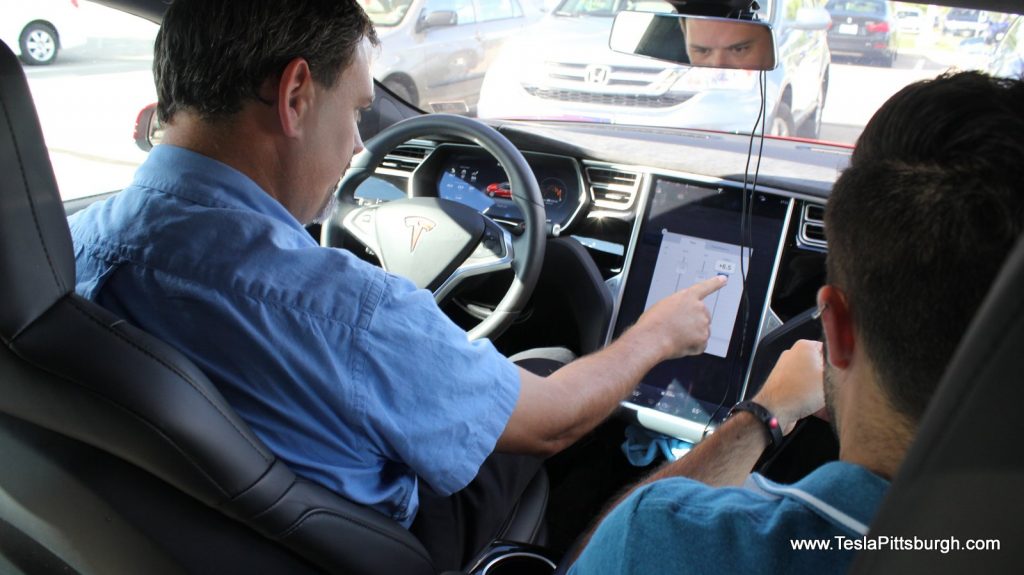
(74, 3)
(877, 27)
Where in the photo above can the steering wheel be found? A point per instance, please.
(438, 243)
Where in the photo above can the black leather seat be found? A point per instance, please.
(119, 456)
(964, 473)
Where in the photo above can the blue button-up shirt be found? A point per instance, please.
(351, 375)
(683, 526)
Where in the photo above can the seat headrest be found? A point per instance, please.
(37, 265)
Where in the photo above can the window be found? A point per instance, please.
(462, 8)
(386, 12)
(498, 10)
(90, 96)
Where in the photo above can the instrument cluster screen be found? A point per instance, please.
(474, 178)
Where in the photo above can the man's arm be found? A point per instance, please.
(554, 411)
(794, 389)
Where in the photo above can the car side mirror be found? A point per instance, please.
(149, 130)
(698, 41)
(437, 19)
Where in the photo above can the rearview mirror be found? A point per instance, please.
(697, 41)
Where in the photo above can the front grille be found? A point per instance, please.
(624, 100)
(615, 76)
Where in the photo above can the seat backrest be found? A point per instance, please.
(94, 406)
(963, 476)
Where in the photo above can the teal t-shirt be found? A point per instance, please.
(682, 526)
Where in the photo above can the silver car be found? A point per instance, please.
(434, 53)
(38, 30)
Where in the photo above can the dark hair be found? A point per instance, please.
(921, 222)
(213, 55)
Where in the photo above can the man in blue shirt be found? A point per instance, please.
(918, 227)
(353, 377)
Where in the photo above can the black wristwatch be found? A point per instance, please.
(771, 424)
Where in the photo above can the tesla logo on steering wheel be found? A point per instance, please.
(419, 224)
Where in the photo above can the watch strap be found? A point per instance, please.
(771, 423)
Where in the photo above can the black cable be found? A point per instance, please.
(746, 237)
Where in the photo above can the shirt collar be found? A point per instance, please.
(202, 180)
(837, 490)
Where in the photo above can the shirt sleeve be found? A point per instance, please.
(440, 401)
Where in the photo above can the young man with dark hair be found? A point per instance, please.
(349, 374)
(918, 227)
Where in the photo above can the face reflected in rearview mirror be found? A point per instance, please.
(695, 40)
(728, 44)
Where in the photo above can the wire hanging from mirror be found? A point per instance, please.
(746, 236)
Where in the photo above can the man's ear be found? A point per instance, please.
(295, 95)
(837, 323)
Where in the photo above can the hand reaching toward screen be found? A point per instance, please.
(681, 322)
(794, 389)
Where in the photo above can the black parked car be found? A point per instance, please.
(863, 29)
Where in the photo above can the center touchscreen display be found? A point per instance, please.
(691, 232)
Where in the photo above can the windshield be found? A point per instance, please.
(533, 60)
(838, 61)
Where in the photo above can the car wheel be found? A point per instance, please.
(889, 60)
(403, 90)
(38, 44)
(782, 122)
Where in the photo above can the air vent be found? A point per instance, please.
(612, 188)
(404, 159)
(812, 227)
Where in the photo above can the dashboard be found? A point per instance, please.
(652, 229)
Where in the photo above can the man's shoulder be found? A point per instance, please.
(837, 496)
(679, 501)
(230, 252)
(679, 525)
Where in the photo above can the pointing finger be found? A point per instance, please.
(709, 286)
